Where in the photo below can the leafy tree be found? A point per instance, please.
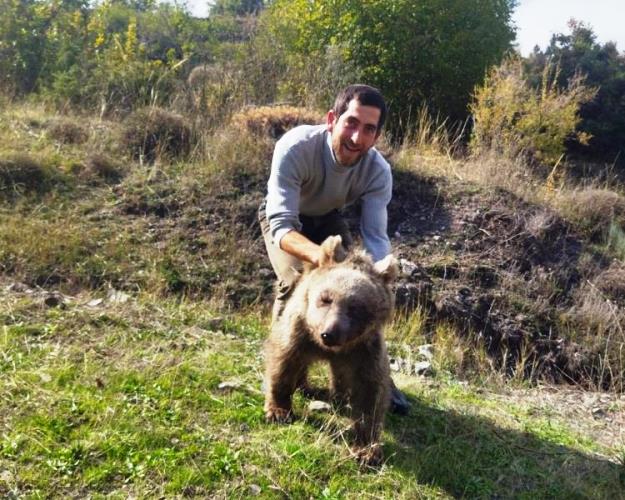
(604, 68)
(236, 7)
(416, 51)
(513, 118)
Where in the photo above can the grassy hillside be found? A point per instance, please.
(134, 301)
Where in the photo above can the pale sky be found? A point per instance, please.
(537, 20)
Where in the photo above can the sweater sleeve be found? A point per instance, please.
(374, 216)
(283, 193)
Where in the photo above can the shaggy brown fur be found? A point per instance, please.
(336, 313)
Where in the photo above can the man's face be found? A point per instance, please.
(354, 132)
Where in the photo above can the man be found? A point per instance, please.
(318, 170)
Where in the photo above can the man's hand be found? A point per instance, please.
(301, 247)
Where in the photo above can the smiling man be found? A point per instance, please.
(318, 170)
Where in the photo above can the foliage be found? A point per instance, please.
(603, 67)
(512, 117)
(236, 7)
(416, 52)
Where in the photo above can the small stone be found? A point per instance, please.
(598, 412)
(118, 297)
(423, 368)
(53, 299)
(18, 288)
(255, 489)
(229, 385)
(425, 351)
(395, 365)
(319, 406)
(95, 302)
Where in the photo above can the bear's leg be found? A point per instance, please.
(340, 380)
(370, 400)
(282, 374)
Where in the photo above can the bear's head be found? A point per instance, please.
(349, 298)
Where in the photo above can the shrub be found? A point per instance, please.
(593, 210)
(66, 131)
(274, 121)
(153, 132)
(101, 166)
(512, 118)
(22, 173)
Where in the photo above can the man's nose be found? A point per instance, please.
(356, 136)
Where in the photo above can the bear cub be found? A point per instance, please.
(336, 314)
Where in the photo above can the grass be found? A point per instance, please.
(124, 399)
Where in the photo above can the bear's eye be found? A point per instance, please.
(325, 299)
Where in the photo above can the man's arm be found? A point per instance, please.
(299, 246)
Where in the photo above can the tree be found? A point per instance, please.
(416, 51)
(578, 52)
(236, 7)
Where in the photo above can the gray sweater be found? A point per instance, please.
(306, 179)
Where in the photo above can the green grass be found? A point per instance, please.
(123, 399)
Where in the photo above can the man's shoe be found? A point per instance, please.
(399, 403)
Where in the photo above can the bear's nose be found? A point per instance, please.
(330, 337)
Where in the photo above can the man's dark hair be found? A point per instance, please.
(365, 95)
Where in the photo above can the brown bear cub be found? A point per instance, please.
(336, 313)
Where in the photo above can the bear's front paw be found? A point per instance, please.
(278, 415)
(370, 456)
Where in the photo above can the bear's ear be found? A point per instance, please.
(332, 251)
(387, 268)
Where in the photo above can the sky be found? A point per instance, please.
(537, 20)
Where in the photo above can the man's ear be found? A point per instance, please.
(332, 251)
(387, 268)
(330, 120)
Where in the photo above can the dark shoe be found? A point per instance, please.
(399, 403)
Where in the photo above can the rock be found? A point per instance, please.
(425, 351)
(95, 302)
(319, 406)
(407, 267)
(423, 368)
(255, 490)
(117, 296)
(53, 299)
(18, 287)
(229, 385)
(395, 365)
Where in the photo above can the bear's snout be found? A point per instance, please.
(331, 337)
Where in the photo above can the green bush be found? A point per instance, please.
(511, 117)
(416, 51)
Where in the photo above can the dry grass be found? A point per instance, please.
(67, 131)
(274, 121)
(593, 210)
(21, 173)
(152, 133)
